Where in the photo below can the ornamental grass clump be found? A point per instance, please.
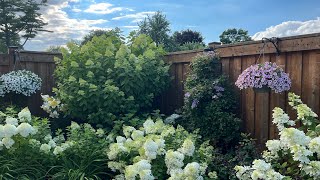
(159, 151)
(19, 82)
(296, 154)
(267, 74)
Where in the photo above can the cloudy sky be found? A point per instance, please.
(72, 19)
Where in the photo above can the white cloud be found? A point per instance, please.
(64, 28)
(103, 8)
(136, 17)
(290, 28)
(131, 27)
(76, 10)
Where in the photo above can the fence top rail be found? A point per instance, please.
(40, 52)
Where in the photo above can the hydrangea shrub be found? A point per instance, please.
(159, 151)
(209, 103)
(295, 155)
(51, 105)
(105, 78)
(266, 74)
(19, 82)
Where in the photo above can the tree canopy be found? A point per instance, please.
(187, 36)
(20, 19)
(234, 35)
(99, 32)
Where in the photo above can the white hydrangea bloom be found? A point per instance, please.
(100, 132)
(7, 142)
(48, 137)
(45, 148)
(173, 160)
(58, 150)
(304, 111)
(161, 145)
(9, 130)
(146, 175)
(243, 172)
(149, 126)
(136, 134)
(24, 129)
(150, 148)
(52, 143)
(280, 118)
(24, 115)
(11, 120)
(127, 130)
(168, 131)
(300, 153)
(192, 170)
(120, 139)
(273, 145)
(292, 136)
(34, 143)
(313, 169)
(74, 126)
(131, 172)
(113, 165)
(115, 149)
(314, 145)
(171, 119)
(187, 147)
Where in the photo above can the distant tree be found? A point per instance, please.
(187, 36)
(99, 32)
(20, 19)
(54, 49)
(234, 35)
(157, 27)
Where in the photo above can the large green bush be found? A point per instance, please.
(105, 78)
(210, 102)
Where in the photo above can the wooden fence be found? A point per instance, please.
(300, 57)
(41, 63)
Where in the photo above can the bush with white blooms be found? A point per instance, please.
(159, 151)
(296, 154)
(20, 82)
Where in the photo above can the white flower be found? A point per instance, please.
(313, 169)
(192, 170)
(292, 136)
(146, 175)
(24, 129)
(187, 147)
(34, 142)
(7, 142)
(24, 115)
(100, 132)
(127, 130)
(273, 145)
(136, 134)
(280, 118)
(57, 150)
(1, 131)
(48, 137)
(150, 148)
(74, 126)
(304, 111)
(173, 160)
(13, 121)
(9, 130)
(149, 126)
(300, 153)
(120, 139)
(115, 149)
(52, 143)
(314, 145)
(261, 165)
(171, 119)
(45, 148)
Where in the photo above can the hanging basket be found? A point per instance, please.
(264, 89)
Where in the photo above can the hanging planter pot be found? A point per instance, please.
(264, 77)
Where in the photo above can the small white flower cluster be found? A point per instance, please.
(303, 148)
(51, 105)
(16, 127)
(149, 143)
(55, 145)
(20, 82)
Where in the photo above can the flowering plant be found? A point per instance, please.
(296, 154)
(19, 82)
(51, 105)
(262, 75)
(159, 151)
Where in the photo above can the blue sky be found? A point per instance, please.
(72, 19)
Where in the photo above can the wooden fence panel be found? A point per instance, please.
(300, 57)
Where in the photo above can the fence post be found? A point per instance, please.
(12, 56)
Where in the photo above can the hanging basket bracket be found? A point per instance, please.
(275, 43)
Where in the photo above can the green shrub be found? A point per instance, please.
(105, 79)
(210, 102)
(159, 151)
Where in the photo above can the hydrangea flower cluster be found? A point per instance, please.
(300, 150)
(13, 128)
(20, 82)
(51, 105)
(134, 154)
(266, 74)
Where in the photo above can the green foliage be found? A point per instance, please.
(54, 49)
(157, 27)
(243, 153)
(105, 79)
(25, 25)
(187, 36)
(191, 46)
(210, 103)
(231, 36)
(99, 32)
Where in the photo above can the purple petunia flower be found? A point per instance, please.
(266, 74)
(194, 103)
(187, 95)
